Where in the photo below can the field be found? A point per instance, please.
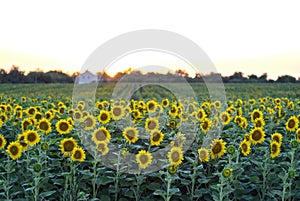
(149, 145)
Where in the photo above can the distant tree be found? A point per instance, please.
(252, 77)
(263, 78)
(285, 79)
(3, 76)
(181, 73)
(15, 75)
(236, 77)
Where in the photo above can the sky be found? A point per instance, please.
(253, 37)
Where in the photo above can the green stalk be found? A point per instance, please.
(169, 179)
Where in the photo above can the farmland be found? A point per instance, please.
(153, 147)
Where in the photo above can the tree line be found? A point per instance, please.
(15, 75)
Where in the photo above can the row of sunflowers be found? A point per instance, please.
(149, 149)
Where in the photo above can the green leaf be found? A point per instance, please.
(46, 194)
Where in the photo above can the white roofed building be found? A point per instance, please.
(87, 77)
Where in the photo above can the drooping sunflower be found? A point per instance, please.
(259, 123)
(31, 137)
(2, 142)
(67, 145)
(277, 137)
(89, 122)
(292, 124)
(144, 159)
(14, 149)
(217, 148)
(175, 156)
(104, 117)
(151, 124)
(63, 126)
(117, 112)
(78, 154)
(257, 135)
(206, 125)
(151, 106)
(225, 118)
(274, 149)
(101, 135)
(156, 137)
(203, 154)
(256, 114)
(131, 134)
(102, 147)
(245, 147)
(44, 125)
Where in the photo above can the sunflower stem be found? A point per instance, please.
(169, 181)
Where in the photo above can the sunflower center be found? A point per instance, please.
(44, 126)
(144, 159)
(77, 155)
(258, 124)
(152, 125)
(38, 116)
(101, 135)
(256, 135)
(130, 134)
(1, 141)
(224, 117)
(276, 138)
(244, 147)
(217, 148)
(117, 111)
(274, 148)
(101, 147)
(26, 124)
(156, 137)
(291, 123)
(151, 106)
(69, 146)
(77, 115)
(63, 126)
(205, 125)
(89, 122)
(202, 154)
(31, 137)
(255, 115)
(31, 111)
(14, 150)
(103, 117)
(175, 156)
(165, 102)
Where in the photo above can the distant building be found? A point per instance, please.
(87, 77)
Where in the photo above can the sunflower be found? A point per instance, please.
(245, 147)
(203, 155)
(256, 114)
(63, 126)
(175, 156)
(156, 137)
(217, 104)
(78, 154)
(2, 142)
(298, 134)
(37, 116)
(227, 172)
(257, 135)
(238, 119)
(277, 137)
(102, 147)
(259, 123)
(173, 111)
(101, 135)
(31, 111)
(200, 114)
(206, 125)
(144, 159)
(217, 148)
(49, 115)
(225, 118)
(136, 114)
(104, 117)
(151, 124)
(21, 140)
(67, 145)
(77, 115)
(117, 112)
(165, 102)
(14, 149)
(131, 134)
(31, 137)
(89, 122)
(44, 125)
(172, 169)
(292, 124)
(151, 106)
(274, 149)
(179, 140)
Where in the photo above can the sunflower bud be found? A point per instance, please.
(37, 167)
(230, 149)
(292, 174)
(294, 143)
(172, 169)
(227, 172)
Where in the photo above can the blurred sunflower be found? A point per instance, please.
(78, 154)
(44, 125)
(14, 149)
(67, 145)
(89, 122)
(144, 159)
(117, 112)
(102, 147)
(156, 137)
(200, 115)
(274, 149)
(151, 106)
(104, 117)
(217, 148)
(31, 137)
(131, 134)
(101, 135)
(175, 156)
(2, 142)
(245, 147)
(277, 137)
(292, 124)
(63, 126)
(77, 115)
(151, 124)
(206, 125)
(203, 155)
(257, 135)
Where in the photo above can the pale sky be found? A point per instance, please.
(248, 36)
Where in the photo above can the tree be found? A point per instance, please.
(285, 79)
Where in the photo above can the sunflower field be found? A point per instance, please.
(151, 147)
